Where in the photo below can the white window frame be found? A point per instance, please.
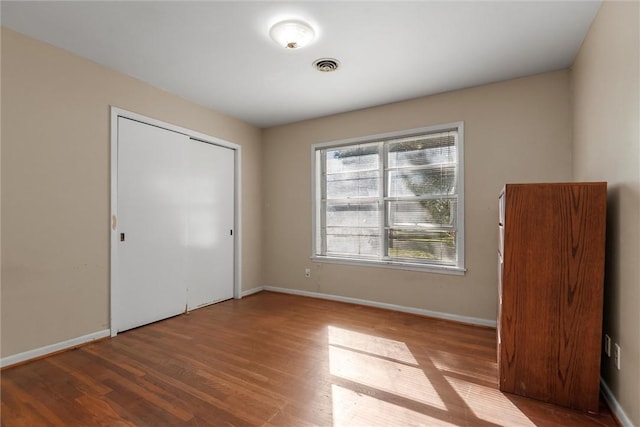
(458, 269)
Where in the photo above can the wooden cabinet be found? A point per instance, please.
(551, 272)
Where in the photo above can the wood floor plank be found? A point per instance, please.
(279, 360)
(197, 391)
(30, 407)
(105, 412)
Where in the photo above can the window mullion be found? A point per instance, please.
(323, 199)
(384, 236)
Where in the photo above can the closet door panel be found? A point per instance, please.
(210, 222)
(151, 218)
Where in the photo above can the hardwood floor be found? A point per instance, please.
(279, 360)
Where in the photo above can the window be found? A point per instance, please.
(393, 199)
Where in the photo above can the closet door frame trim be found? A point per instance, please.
(113, 218)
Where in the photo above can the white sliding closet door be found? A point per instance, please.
(210, 220)
(175, 198)
(151, 217)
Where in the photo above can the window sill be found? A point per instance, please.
(456, 271)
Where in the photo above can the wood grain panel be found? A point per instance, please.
(551, 292)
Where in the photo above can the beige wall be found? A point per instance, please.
(515, 131)
(55, 187)
(606, 106)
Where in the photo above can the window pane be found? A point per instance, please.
(353, 228)
(422, 151)
(353, 158)
(353, 241)
(352, 214)
(353, 185)
(439, 180)
(434, 246)
(422, 213)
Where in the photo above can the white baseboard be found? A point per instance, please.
(43, 351)
(252, 291)
(615, 407)
(412, 310)
(53, 348)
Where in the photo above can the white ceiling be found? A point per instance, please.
(219, 54)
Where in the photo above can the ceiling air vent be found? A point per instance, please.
(326, 65)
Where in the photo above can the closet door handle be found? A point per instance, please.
(122, 237)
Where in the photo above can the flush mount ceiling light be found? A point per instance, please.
(292, 34)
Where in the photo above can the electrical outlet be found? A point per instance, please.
(307, 272)
(607, 345)
(616, 355)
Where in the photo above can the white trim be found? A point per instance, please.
(420, 311)
(388, 135)
(314, 200)
(113, 219)
(459, 269)
(52, 348)
(397, 265)
(460, 224)
(252, 291)
(237, 283)
(118, 112)
(615, 407)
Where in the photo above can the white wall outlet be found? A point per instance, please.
(616, 355)
(307, 272)
(607, 345)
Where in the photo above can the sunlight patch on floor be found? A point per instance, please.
(379, 346)
(356, 409)
(489, 404)
(386, 374)
(400, 379)
(457, 364)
